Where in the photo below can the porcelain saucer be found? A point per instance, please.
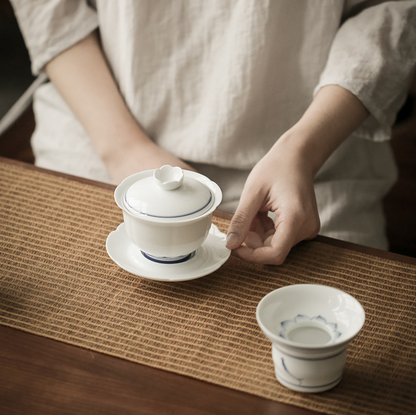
(207, 259)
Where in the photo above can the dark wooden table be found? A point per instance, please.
(43, 376)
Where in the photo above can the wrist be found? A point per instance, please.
(332, 116)
(114, 147)
(301, 149)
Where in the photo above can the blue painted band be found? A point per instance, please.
(172, 217)
(308, 387)
(168, 260)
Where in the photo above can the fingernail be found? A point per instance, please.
(232, 239)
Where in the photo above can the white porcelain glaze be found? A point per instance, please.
(310, 327)
(180, 219)
(168, 194)
(207, 258)
(168, 177)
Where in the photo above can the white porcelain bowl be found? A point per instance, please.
(168, 212)
(310, 327)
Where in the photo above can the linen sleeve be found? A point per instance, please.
(51, 26)
(373, 55)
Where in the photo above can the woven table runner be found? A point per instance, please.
(57, 281)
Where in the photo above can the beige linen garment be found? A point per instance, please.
(217, 82)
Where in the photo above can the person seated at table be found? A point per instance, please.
(288, 105)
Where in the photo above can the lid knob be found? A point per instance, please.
(168, 177)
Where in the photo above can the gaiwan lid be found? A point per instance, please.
(168, 194)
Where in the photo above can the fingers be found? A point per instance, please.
(273, 250)
(243, 218)
(274, 246)
(289, 193)
(262, 224)
(254, 240)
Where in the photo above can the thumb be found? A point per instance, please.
(242, 219)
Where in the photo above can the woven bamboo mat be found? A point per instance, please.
(56, 280)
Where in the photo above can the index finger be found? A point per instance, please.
(243, 217)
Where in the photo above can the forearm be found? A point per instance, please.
(82, 77)
(333, 115)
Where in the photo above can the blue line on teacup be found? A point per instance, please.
(173, 216)
(306, 386)
(168, 260)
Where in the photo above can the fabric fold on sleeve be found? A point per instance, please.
(374, 57)
(51, 26)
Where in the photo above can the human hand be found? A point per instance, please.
(281, 183)
(139, 157)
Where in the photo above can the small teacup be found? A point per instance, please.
(310, 327)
